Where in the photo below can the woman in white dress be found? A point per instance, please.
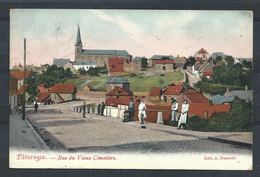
(184, 113)
(174, 115)
(141, 111)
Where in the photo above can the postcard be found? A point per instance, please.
(131, 89)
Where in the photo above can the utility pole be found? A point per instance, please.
(24, 68)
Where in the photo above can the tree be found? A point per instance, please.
(230, 60)
(144, 63)
(219, 58)
(247, 64)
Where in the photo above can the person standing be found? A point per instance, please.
(184, 113)
(102, 108)
(36, 106)
(84, 110)
(141, 111)
(131, 109)
(175, 106)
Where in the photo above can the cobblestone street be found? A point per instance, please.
(71, 132)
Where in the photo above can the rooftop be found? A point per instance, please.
(63, 88)
(159, 57)
(173, 90)
(84, 63)
(60, 61)
(105, 52)
(121, 92)
(155, 91)
(19, 74)
(207, 73)
(117, 80)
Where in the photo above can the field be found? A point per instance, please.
(138, 83)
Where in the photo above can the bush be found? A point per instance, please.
(197, 123)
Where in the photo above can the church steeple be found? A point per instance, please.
(78, 39)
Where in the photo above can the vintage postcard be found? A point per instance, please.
(131, 89)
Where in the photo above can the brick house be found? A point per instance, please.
(151, 61)
(117, 82)
(155, 93)
(118, 92)
(116, 65)
(192, 96)
(207, 75)
(19, 76)
(172, 91)
(163, 65)
(63, 92)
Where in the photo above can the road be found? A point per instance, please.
(191, 79)
(69, 131)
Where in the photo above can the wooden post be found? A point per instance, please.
(24, 68)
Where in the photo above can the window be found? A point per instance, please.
(111, 86)
(164, 68)
(91, 57)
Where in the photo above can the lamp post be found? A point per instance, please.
(23, 116)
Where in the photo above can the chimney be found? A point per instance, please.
(227, 89)
(210, 102)
(246, 87)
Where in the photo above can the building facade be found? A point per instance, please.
(99, 56)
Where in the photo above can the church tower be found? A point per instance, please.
(78, 46)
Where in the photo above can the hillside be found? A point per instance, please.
(139, 82)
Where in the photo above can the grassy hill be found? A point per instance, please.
(138, 83)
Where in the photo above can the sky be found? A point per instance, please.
(51, 33)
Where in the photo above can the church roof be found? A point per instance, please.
(105, 52)
(84, 63)
(117, 80)
(78, 39)
(61, 61)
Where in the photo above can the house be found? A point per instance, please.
(179, 62)
(207, 75)
(133, 66)
(116, 65)
(246, 95)
(163, 65)
(63, 92)
(200, 66)
(84, 64)
(44, 98)
(151, 61)
(60, 62)
(155, 93)
(117, 82)
(70, 66)
(205, 110)
(19, 75)
(43, 88)
(172, 91)
(203, 54)
(192, 96)
(20, 91)
(17, 66)
(118, 92)
(88, 88)
(217, 99)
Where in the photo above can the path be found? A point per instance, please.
(100, 84)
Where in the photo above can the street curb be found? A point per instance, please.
(239, 143)
(37, 136)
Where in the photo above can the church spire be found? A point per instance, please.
(78, 39)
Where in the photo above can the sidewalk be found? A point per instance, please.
(236, 138)
(23, 136)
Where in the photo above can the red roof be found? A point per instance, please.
(124, 101)
(43, 88)
(155, 91)
(63, 88)
(42, 96)
(196, 97)
(202, 51)
(26, 88)
(163, 61)
(207, 73)
(121, 92)
(200, 108)
(19, 74)
(173, 90)
(116, 64)
(111, 101)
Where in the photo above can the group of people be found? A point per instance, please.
(184, 112)
(101, 108)
(174, 114)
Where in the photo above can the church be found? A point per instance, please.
(99, 56)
